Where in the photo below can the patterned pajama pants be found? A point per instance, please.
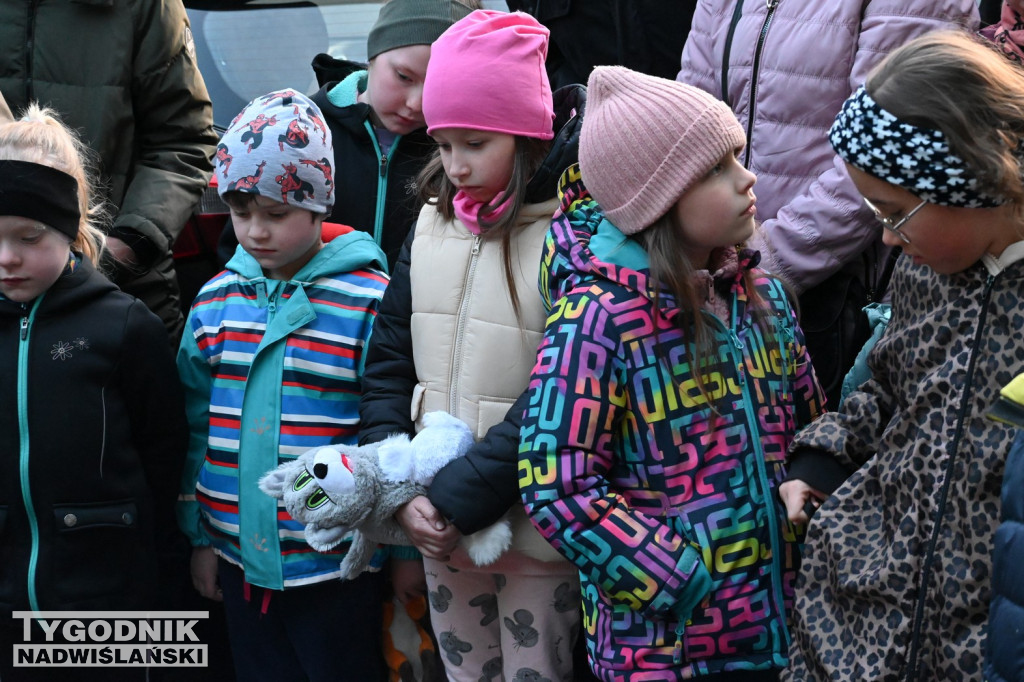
(493, 626)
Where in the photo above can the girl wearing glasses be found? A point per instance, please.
(905, 478)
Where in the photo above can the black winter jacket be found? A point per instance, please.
(358, 168)
(473, 491)
(89, 371)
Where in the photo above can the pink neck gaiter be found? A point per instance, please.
(468, 211)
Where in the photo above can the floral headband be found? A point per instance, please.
(917, 159)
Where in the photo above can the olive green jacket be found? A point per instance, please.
(123, 73)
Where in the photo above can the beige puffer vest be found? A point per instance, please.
(473, 360)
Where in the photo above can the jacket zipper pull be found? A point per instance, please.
(677, 648)
(476, 245)
(24, 328)
(383, 165)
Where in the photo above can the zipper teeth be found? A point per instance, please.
(754, 72)
(940, 511)
(23, 455)
(382, 182)
(460, 328)
(382, 189)
(762, 475)
(762, 471)
(737, 12)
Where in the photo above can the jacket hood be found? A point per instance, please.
(569, 104)
(328, 70)
(350, 251)
(584, 245)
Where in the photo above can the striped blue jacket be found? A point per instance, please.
(271, 369)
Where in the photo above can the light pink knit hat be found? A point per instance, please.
(486, 72)
(646, 140)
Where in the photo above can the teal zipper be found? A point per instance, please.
(773, 527)
(382, 182)
(786, 336)
(23, 455)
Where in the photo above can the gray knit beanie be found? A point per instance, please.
(646, 140)
(412, 22)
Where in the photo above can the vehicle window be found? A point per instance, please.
(249, 50)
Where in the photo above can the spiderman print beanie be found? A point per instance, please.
(279, 147)
(646, 140)
(411, 22)
(487, 73)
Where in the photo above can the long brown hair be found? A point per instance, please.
(671, 269)
(434, 187)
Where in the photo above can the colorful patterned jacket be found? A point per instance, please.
(629, 473)
(272, 369)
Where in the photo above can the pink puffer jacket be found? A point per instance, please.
(798, 61)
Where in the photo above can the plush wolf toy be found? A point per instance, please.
(340, 489)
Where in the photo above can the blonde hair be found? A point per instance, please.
(40, 137)
(953, 82)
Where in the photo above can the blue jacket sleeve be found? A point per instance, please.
(197, 381)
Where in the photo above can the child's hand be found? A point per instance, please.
(432, 535)
(408, 579)
(800, 499)
(204, 573)
(121, 252)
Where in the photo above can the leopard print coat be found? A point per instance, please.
(895, 580)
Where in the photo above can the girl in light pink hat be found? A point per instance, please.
(671, 378)
(458, 331)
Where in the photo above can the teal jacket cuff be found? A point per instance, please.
(403, 552)
(697, 587)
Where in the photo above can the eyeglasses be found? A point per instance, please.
(894, 225)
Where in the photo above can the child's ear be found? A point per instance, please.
(318, 222)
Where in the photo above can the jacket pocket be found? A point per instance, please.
(108, 547)
(492, 411)
(78, 517)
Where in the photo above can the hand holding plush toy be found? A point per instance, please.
(340, 489)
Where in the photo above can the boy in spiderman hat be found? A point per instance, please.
(272, 361)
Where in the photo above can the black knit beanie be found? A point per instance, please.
(412, 22)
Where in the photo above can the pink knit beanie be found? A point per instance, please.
(646, 140)
(487, 72)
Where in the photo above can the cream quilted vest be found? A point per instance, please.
(472, 358)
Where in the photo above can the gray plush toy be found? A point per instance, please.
(340, 489)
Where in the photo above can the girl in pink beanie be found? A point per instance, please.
(458, 331)
(671, 378)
